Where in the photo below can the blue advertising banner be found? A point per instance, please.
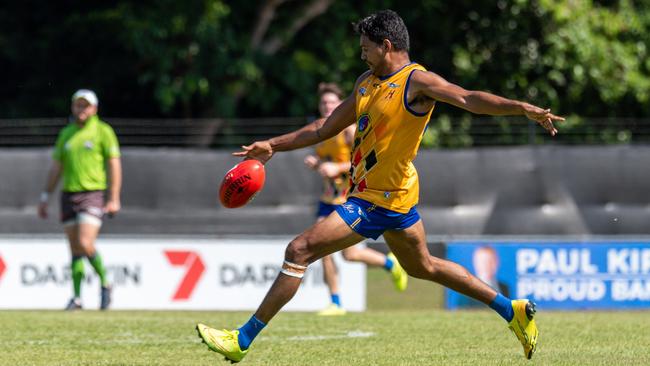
(559, 275)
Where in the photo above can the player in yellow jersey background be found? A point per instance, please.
(332, 162)
(390, 103)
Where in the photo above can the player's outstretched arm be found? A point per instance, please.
(313, 133)
(319, 130)
(437, 88)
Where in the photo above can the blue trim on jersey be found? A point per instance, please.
(382, 78)
(370, 220)
(324, 209)
(426, 127)
(406, 103)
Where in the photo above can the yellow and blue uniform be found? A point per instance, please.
(385, 189)
(335, 190)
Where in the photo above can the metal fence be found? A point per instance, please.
(443, 132)
(214, 132)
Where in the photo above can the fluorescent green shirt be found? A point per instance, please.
(84, 152)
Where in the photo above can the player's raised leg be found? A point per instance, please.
(323, 238)
(409, 245)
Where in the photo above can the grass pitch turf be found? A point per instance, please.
(398, 329)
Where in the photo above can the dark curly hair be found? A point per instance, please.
(385, 24)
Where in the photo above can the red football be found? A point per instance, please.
(242, 183)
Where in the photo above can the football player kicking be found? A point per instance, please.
(391, 104)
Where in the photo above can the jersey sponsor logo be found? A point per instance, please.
(88, 144)
(195, 268)
(362, 91)
(348, 207)
(393, 85)
(386, 195)
(363, 122)
(362, 214)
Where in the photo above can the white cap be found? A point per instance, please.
(86, 94)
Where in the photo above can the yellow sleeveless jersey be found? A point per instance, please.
(335, 150)
(386, 141)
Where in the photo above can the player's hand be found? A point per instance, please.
(112, 207)
(542, 116)
(42, 210)
(329, 170)
(311, 161)
(260, 150)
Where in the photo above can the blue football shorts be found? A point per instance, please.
(324, 209)
(370, 220)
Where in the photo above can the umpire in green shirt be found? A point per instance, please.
(85, 149)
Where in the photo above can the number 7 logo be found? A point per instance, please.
(195, 268)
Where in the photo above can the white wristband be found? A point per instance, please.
(45, 196)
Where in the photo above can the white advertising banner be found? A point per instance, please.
(198, 274)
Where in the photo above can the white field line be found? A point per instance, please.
(156, 341)
(349, 334)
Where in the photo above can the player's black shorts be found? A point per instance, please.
(87, 202)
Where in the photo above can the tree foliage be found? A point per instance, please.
(216, 58)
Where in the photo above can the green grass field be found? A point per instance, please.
(398, 329)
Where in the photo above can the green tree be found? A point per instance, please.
(218, 58)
